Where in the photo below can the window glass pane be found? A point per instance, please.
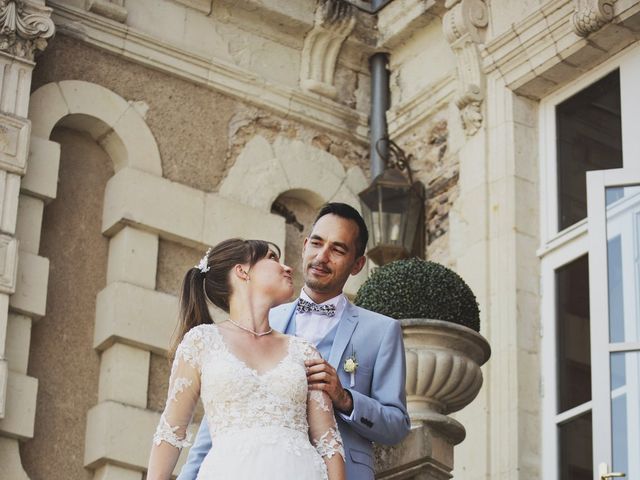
(625, 412)
(576, 453)
(589, 137)
(623, 264)
(573, 334)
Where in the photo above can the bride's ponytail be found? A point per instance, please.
(209, 281)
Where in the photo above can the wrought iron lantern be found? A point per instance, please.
(392, 207)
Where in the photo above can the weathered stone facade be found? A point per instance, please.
(145, 131)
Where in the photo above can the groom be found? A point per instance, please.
(369, 400)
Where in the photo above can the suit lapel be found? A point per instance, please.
(281, 322)
(346, 326)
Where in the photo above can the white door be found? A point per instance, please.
(614, 278)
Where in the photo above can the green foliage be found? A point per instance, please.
(415, 288)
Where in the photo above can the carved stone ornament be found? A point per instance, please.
(113, 9)
(24, 28)
(463, 26)
(591, 15)
(334, 21)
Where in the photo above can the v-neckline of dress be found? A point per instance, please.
(244, 364)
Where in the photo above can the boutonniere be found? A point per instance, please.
(350, 366)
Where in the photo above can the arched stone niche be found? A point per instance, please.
(132, 318)
(121, 131)
(297, 173)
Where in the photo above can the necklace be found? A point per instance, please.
(257, 334)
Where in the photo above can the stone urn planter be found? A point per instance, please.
(443, 368)
(440, 322)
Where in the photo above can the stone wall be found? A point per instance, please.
(200, 135)
(61, 356)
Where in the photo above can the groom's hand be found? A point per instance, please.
(322, 376)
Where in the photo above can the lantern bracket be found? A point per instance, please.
(395, 156)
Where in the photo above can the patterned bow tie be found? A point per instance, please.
(310, 307)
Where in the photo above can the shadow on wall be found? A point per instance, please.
(62, 357)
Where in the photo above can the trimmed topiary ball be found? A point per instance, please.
(415, 288)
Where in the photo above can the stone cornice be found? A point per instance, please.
(242, 84)
(540, 52)
(24, 28)
(399, 20)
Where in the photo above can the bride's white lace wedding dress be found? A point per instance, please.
(263, 425)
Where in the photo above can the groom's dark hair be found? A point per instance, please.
(347, 211)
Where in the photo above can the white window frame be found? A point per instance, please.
(559, 248)
(598, 182)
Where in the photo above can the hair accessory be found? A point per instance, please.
(203, 266)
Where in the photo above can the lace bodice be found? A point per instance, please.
(236, 397)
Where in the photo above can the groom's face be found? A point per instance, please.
(329, 256)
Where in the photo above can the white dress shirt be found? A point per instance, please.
(313, 326)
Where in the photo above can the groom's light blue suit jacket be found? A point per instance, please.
(379, 403)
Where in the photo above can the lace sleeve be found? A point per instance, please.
(323, 430)
(184, 391)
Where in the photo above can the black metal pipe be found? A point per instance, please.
(378, 119)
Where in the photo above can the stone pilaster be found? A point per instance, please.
(25, 28)
(464, 24)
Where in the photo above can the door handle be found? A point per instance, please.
(604, 474)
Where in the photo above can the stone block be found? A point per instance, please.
(133, 197)
(403, 19)
(108, 9)
(225, 218)
(122, 435)
(203, 6)
(41, 179)
(133, 258)
(124, 375)
(136, 316)
(528, 312)
(345, 195)
(17, 343)
(473, 172)
(257, 177)
(29, 226)
(426, 453)
(20, 410)
(10, 459)
(8, 264)
(4, 379)
(14, 143)
(309, 168)
(4, 323)
(30, 297)
(527, 204)
(46, 107)
(141, 148)
(528, 268)
(472, 213)
(115, 472)
(525, 160)
(356, 180)
(93, 100)
(9, 192)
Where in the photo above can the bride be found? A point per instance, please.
(263, 420)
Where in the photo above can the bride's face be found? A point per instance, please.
(272, 278)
